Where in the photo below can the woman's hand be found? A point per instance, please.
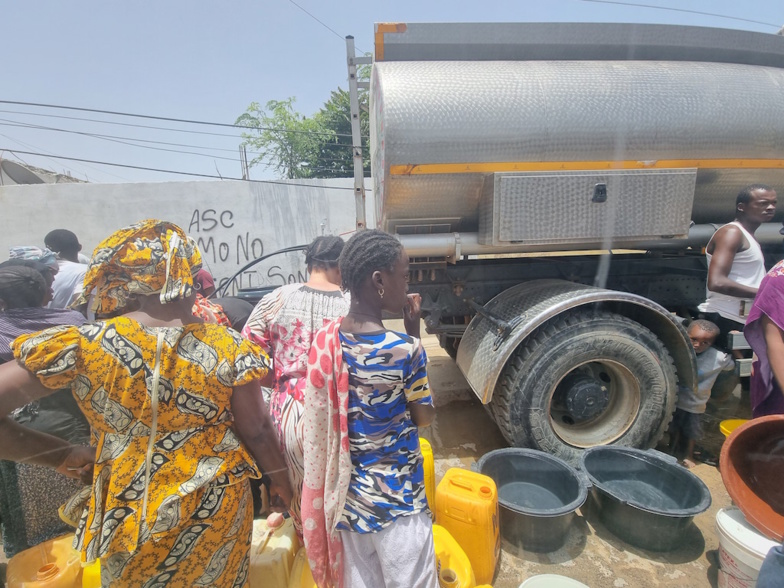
(280, 492)
(78, 463)
(254, 428)
(412, 313)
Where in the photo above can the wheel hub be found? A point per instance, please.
(585, 397)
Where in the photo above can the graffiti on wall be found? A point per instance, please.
(223, 244)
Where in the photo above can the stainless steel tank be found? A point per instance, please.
(441, 130)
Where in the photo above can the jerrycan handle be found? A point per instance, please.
(457, 481)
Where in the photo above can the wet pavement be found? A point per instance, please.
(463, 432)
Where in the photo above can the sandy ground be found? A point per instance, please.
(463, 432)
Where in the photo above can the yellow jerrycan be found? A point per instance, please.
(273, 546)
(91, 575)
(452, 564)
(430, 473)
(301, 576)
(467, 507)
(53, 564)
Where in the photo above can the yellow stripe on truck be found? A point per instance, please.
(534, 166)
(386, 27)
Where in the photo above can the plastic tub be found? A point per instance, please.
(53, 564)
(551, 581)
(728, 426)
(752, 469)
(467, 507)
(644, 497)
(741, 549)
(538, 495)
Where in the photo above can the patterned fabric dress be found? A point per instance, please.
(283, 324)
(386, 371)
(209, 311)
(30, 494)
(170, 503)
(363, 466)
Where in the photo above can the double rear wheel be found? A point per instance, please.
(586, 378)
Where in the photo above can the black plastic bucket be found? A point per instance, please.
(644, 497)
(537, 496)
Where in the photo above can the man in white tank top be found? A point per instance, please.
(736, 265)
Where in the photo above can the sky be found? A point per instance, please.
(208, 61)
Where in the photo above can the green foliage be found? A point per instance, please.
(297, 146)
(335, 155)
(285, 138)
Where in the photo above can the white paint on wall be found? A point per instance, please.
(234, 222)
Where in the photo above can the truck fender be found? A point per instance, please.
(508, 319)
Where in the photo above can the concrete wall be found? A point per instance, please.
(234, 222)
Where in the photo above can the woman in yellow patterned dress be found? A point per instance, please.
(177, 407)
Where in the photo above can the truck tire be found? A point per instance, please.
(586, 378)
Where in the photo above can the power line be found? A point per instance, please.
(169, 119)
(31, 146)
(124, 141)
(322, 23)
(16, 123)
(115, 140)
(182, 173)
(112, 122)
(767, 24)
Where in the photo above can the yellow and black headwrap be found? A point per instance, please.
(148, 257)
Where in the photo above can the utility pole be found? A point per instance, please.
(244, 162)
(356, 138)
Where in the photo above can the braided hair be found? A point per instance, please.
(366, 252)
(324, 252)
(22, 287)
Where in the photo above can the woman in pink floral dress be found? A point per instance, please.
(284, 323)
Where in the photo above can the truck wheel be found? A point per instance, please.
(586, 378)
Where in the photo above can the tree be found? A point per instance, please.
(286, 140)
(335, 155)
(297, 146)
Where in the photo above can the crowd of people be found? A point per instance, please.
(142, 419)
(740, 298)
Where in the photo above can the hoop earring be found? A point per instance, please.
(381, 293)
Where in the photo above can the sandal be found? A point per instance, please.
(706, 457)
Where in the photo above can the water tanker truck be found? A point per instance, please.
(554, 186)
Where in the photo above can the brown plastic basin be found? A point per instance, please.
(752, 468)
